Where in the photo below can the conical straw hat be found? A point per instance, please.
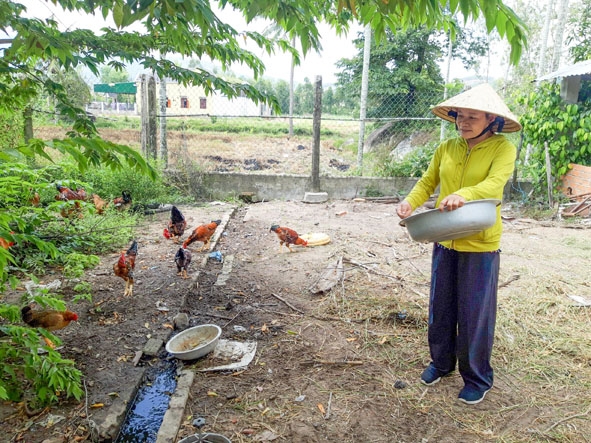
(480, 98)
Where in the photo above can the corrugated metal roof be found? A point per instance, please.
(116, 88)
(581, 68)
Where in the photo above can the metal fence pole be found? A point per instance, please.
(316, 135)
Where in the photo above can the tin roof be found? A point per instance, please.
(116, 88)
(581, 68)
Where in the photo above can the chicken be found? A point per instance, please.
(99, 203)
(4, 243)
(48, 319)
(288, 236)
(203, 234)
(35, 198)
(125, 266)
(71, 209)
(66, 194)
(176, 225)
(124, 202)
(182, 260)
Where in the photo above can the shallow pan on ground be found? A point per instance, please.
(195, 342)
(316, 238)
(435, 225)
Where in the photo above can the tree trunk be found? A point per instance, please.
(28, 128)
(558, 36)
(291, 92)
(545, 33)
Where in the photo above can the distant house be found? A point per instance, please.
(570, 78)
(186, 100)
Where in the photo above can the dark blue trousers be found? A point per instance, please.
(462, 313)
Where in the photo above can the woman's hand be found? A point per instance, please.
(404, 209)
(451, 202)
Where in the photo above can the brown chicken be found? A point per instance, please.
(183, 260)
(66, 194)
(6, 243)
(99, 203)
(125, 266)
(48, 319)
(288, 236)
(203, 234)
(176, 225)
(124, 202)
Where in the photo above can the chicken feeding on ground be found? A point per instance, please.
(66, 194)
(125, 266)
(99, 203)
(182, 260)
(49, 319)
(176, 225)
(203, 234)
(288, 236)
(124, 202)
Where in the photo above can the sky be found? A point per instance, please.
(277, 66)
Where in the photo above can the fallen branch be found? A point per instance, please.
(219, 316)
(287, 303)
(510, 280)
(332, 362)
(567, 419)
(368, 268)
(327, 416)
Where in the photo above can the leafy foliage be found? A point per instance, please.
(413, 164)
(579, 39)
(565, 127)
(399, 77)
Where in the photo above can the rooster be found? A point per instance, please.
(125, 266)
(176, 225)
(48, 319)
(288, 236)
(203, 234)
(182, 260)
(124, 202)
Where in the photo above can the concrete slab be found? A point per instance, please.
(315, 197)
(176, 408)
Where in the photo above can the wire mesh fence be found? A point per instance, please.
(215, 130)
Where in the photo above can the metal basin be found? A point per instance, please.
(436, 226)
(194, 342)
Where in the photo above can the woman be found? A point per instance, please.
(464, 274)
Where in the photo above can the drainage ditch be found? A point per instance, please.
(145, 414)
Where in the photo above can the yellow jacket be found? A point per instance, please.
(475, 174)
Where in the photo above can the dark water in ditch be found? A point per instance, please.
(145, 414)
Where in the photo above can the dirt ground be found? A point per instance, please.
(341, 365)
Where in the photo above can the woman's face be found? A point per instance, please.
(471, 123)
